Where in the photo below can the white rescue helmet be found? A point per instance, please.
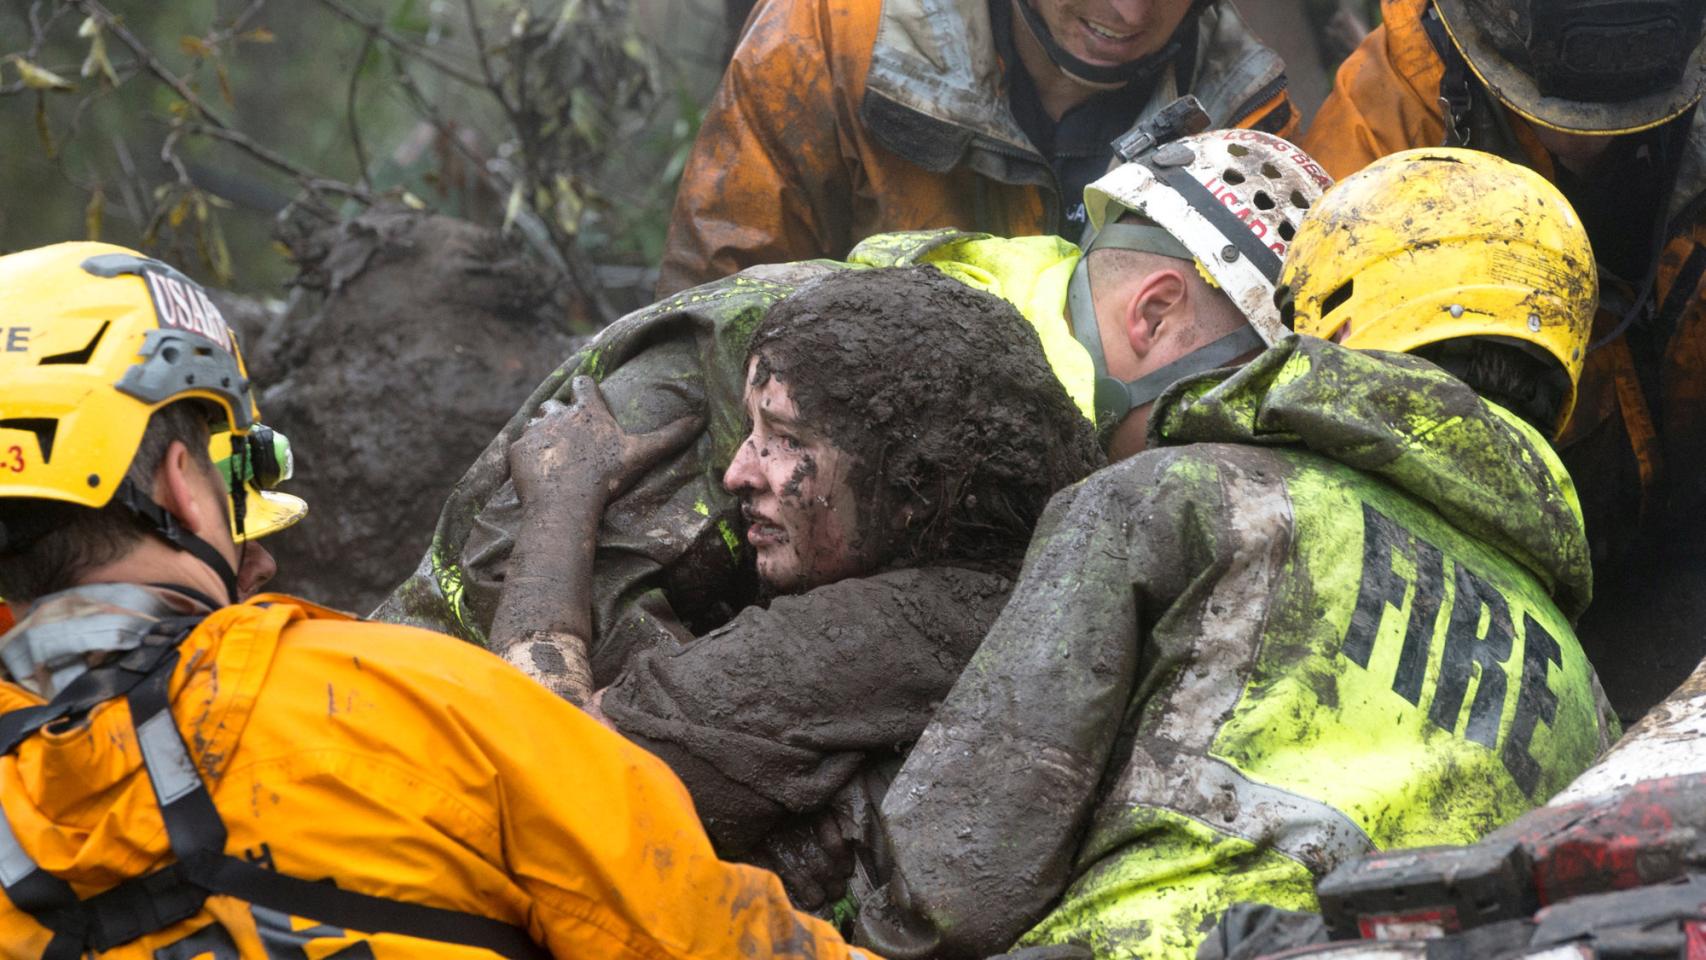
(1228, 200)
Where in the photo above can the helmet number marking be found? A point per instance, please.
(13, 459)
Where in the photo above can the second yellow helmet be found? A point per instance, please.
(1439, 243)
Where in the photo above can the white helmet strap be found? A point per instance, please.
(1237, 233)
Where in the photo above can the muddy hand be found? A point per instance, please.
(583, 446)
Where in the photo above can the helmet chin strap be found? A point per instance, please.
(1100, 75)
(166, 527)
(1114, 397)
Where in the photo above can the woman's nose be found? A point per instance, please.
(743, 473)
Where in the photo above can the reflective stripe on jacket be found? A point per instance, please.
(1329, 611)
(1632, 416)
(397, 763)
(839, 119)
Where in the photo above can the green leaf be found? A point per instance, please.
(583, 115)
(39, 78)
(96, 61)
(512, 208)
(219, 254)
(569, 206)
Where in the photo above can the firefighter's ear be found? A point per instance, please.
(1156, 307)
(187, 490)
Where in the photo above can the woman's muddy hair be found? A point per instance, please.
(942, 395)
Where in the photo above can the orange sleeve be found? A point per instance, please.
(766, 181)
(605, 841)
(1385, 97)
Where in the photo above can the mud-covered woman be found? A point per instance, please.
(905, 433)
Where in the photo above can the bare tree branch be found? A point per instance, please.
(209, 124)
(104, 17)
(432, 57)
(307, 178)
(349, 110)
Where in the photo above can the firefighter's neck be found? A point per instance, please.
(153, 561)
(1576, 152)
(191, 492)
(1058, 91)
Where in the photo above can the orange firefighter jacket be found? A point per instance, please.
(840, 119)
(1627, 423)
(397, 763)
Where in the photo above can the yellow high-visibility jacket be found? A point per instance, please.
(1327, 612)
(398, 763)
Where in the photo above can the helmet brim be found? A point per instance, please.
(267, 512)
(1516, 89)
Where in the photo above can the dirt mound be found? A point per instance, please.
(413, 340)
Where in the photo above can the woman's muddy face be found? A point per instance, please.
(793, 485)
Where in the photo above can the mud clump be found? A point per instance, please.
(414, 339)
(942, 394)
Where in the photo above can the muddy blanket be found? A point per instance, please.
(774, 713)
(671, 562)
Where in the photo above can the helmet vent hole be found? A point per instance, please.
(1231, 177)
(1337, 298)
(1287, 231)
(1237, 149)
(78, 356)
(1262, 200)
(1299, 201)
(1270, 171)
(44, 428)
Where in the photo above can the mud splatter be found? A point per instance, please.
(806, 470)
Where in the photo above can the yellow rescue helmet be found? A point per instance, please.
(1439, 243)
(95, 338)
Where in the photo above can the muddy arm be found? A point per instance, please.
(771, 715)
(985, 818)
(566, 467)
(544, 614)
